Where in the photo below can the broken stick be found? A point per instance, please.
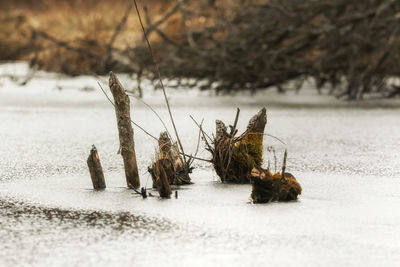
(127, 144)
(95, 169)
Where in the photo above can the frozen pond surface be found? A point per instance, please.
(346, 157)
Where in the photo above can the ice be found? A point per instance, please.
(345, 155)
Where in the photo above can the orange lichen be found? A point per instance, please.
(235, 157)
(268, 187)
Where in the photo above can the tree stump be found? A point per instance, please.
(95, 169)
(235, 157)
(126, 139)
(168, 156)
(268, 187)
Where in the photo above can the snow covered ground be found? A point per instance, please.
(345, 155)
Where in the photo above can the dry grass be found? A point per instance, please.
(89, 24)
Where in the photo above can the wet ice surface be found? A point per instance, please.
(345, 157)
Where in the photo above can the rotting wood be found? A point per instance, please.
(169, 158)
(235, 157)
(143, 192)
(126, 138)
(164, 188)
(161, 171)
(268, 187)
(95, 169)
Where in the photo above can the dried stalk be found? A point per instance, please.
(162, 87)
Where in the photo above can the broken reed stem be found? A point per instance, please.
(200, 127)
(95, 169)
(284, 165)
(231, 145)
(127, 144)
(155, 112)
(235, 123)
(273, 150)
(203, 133)
(162, 86)
(198, 143)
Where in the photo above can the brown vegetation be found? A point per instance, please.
(239, 160)
(168, 161)
(347, 45)
(268, 187)
(350, 45)
(234, 156)
(69, 36)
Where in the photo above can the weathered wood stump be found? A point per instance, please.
(235, 157)
(95, 169)
(168, 157)
(126, 139)
(268, 187)
(164, 170)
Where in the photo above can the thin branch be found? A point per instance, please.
(206, 160)
(161, 33)
(66, 45)
(155, 112)
(198, 138)
(198, 145)
(205, 135)
(162, 86)
(198, 125)
(118, 29)
(284, 165)
(167, 15)
(269, 135)
(233, 129)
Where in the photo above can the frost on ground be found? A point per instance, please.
(344, 154)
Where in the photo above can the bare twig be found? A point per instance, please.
(206, 160)
(65, 44)
(118, 29)
(205, 135)
(159, 32)
(162, 86)
(284, 165)
(269, 135)
(233, 129)
(166, 16)
(198, 125)
(198, 139)
(155, 112)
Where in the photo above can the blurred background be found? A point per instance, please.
(327, 71)
(347, 48)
